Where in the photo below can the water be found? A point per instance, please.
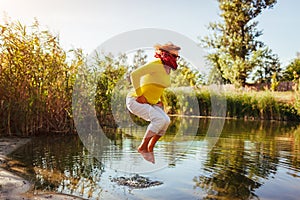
(248, 160)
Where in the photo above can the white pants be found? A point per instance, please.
(159, 120)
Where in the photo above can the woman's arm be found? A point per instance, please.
(137, 74)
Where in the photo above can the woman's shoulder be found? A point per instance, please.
(155, 62)
(150, 66)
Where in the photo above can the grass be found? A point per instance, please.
(262, 105)
(284, 97)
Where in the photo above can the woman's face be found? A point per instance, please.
(168, 69)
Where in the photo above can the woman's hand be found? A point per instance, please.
(160, 104)
(141, 99)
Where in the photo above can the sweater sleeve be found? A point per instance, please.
(137, 74)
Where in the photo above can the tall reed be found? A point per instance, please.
(35, 81)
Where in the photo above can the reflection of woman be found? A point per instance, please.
(149, 82)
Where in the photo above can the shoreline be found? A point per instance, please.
(13, 186)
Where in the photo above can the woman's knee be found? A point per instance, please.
(167, 121)
(163, 122)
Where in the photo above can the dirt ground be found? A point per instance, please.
(14, 187)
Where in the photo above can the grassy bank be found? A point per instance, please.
(240, 105)
(263, 105)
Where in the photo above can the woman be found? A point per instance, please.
(149, 82)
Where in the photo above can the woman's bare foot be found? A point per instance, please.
(149, 156)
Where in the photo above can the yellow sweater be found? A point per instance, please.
(150, 80)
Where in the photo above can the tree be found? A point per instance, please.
(292, 71)
(112, 71)
(234, 42)
(267, 67)
(185, 75)
(139, 59)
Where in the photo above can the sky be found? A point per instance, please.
(87, 24)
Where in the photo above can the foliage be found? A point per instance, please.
(139, 59)
(252, 105)
(35, 80)
(292, 72)
(185, 75)
(267, 68)
(171, 102)
(274, 82)
(112, 71)
(259, 105)
(235, 51)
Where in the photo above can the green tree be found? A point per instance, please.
(266, 67)
(112, 70)
(185, 75)
(234, 43)
(139, 59)
(292, 71)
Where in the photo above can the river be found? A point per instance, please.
(198, 158)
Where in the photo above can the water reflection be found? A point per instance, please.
(245, 156)
(249, 160)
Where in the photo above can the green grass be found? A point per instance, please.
(263, 105)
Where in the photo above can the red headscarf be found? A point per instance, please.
(167, 59)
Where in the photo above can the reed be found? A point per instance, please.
(35, 81)
(246, 105)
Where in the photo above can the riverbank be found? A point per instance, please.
(14, 187)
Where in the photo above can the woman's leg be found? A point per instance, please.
(152, 142)
(163, 130)
(159, 122)
(143, 111)
(143, 147)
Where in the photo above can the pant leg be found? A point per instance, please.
(159, 120)
(166, 120)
